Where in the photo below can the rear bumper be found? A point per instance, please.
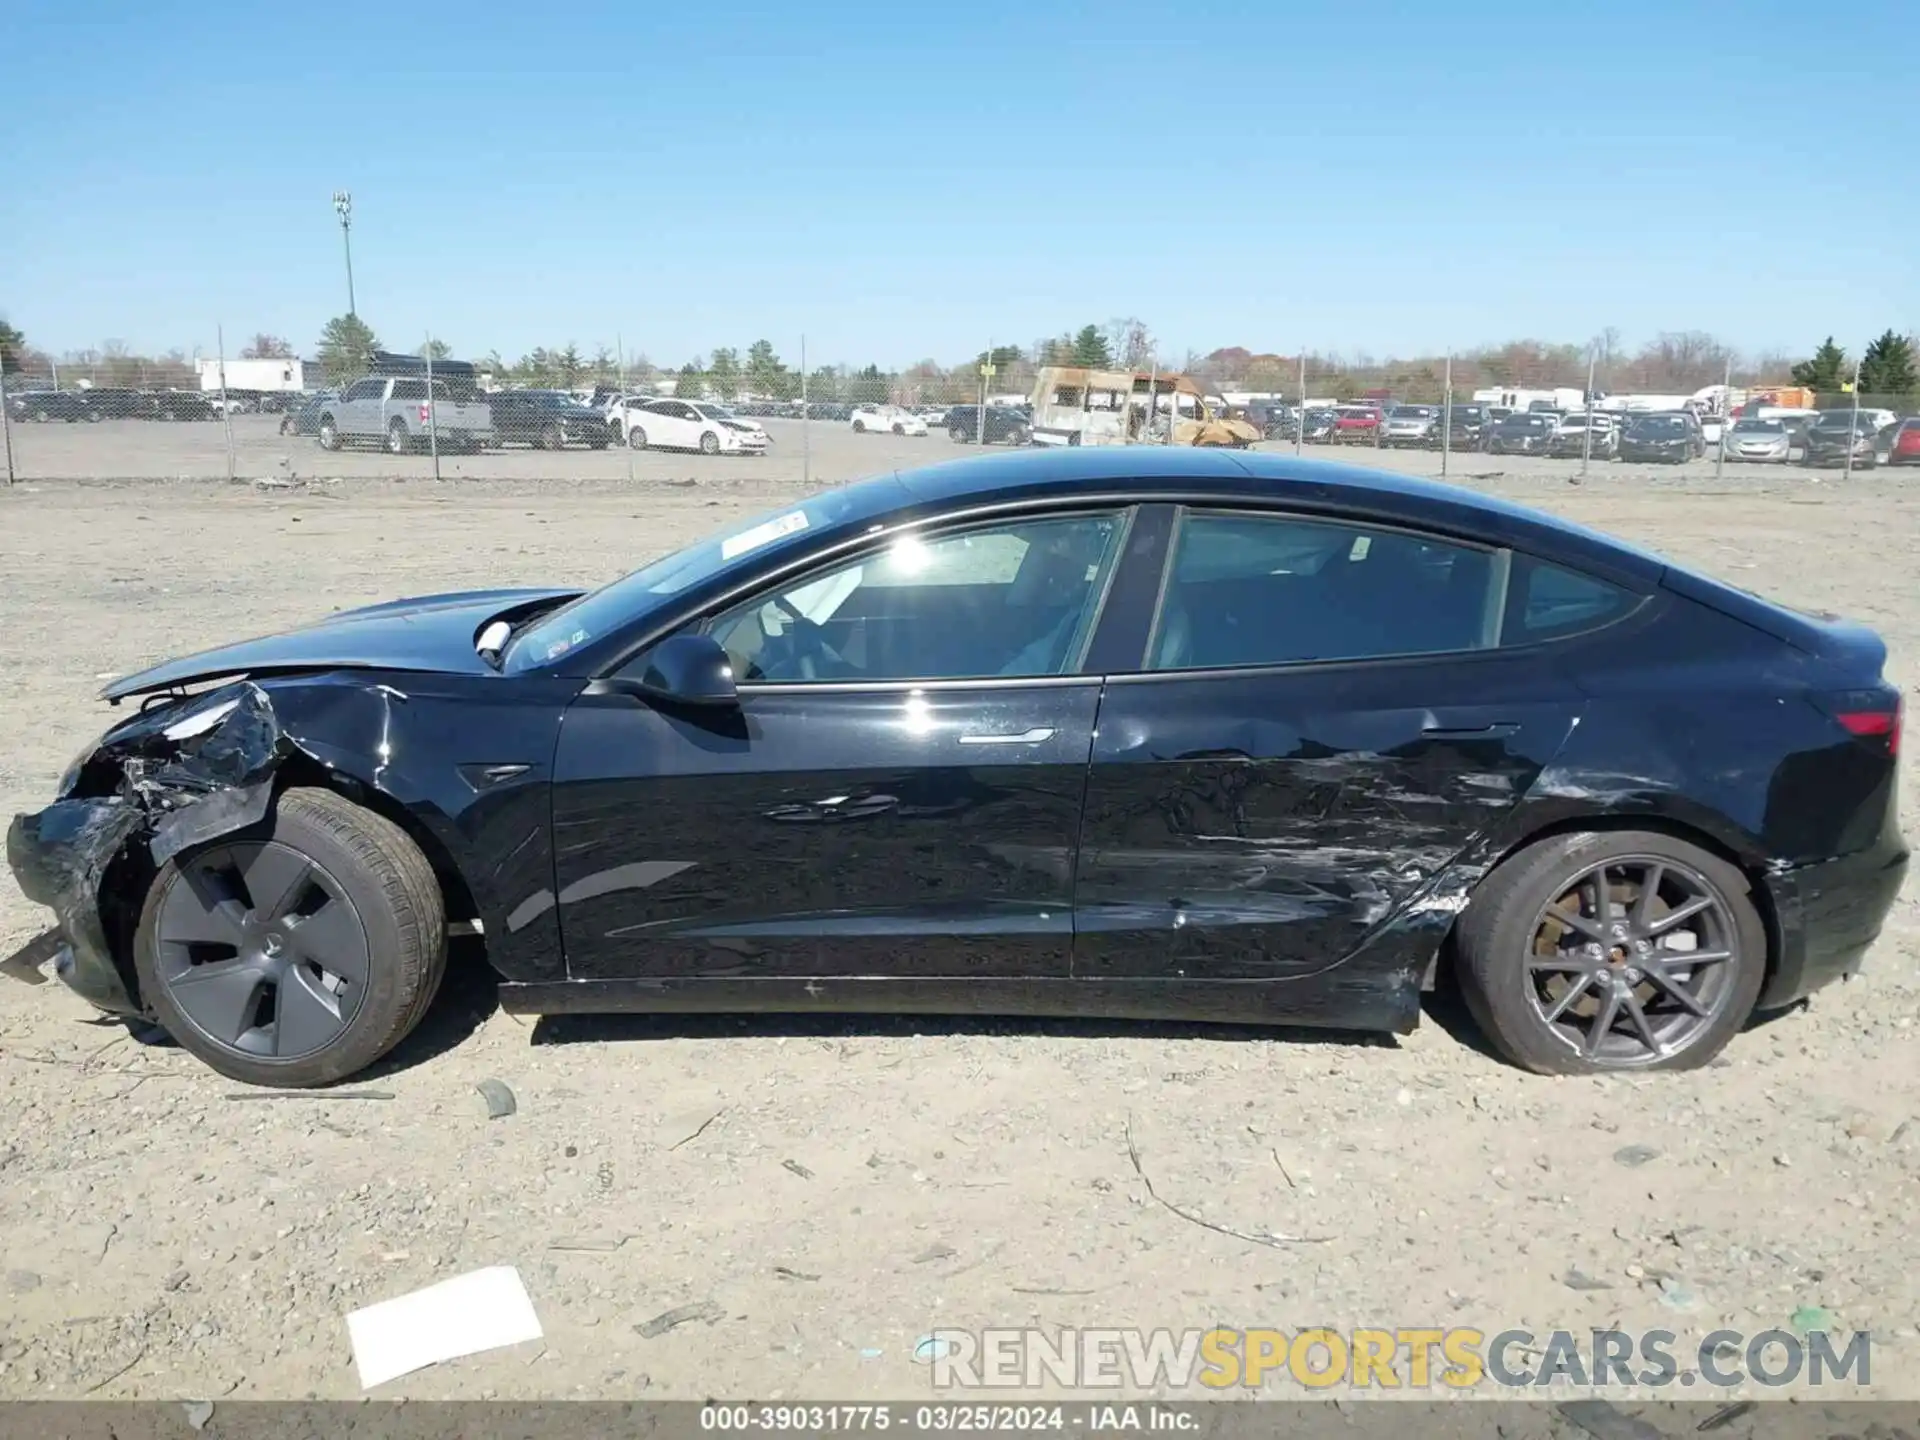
(1828, 916)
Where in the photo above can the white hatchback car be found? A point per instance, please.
(886, 419)
(669, 424)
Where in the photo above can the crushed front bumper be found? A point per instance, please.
(174, 788)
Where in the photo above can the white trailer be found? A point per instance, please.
(271, 375)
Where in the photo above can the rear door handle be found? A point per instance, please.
(1437, 731)
(1024, 737)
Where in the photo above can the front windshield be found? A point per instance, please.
(595, 615)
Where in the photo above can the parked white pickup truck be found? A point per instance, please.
(393, 410)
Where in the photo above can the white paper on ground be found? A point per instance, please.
(479, 1311)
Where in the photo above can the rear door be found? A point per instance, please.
(1322, 723)
(898, 792)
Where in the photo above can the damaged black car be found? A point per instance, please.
(1127, 733)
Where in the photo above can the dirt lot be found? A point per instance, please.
(161, 1236)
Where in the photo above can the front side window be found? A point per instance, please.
(1016, 599)
(1275, 590)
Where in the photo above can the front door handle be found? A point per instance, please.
(1491, 729)
(1025, 737)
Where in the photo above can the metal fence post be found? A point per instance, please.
(226, 410)
(986, 378)
(6, 417)
(806, 422)
(1586, 426)
(433, 411)
(1300, 420)
(1726, 421)
(1446, 416)
(620, 384)
(1853, 434)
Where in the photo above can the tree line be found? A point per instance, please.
(1670, 362)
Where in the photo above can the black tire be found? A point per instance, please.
(328, 434)
(958, 436)
(392, 891)
(859, 427)
(553, 438)
(398, 441)
(617, 433)
(709, 443)
(636, 438)
(1496, 934)
(899, 429)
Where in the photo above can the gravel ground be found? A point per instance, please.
(836, 1190)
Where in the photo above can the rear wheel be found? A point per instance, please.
(552, 437)
(957, 435)
(328, 436)
(398, 442)
(1612, 950)
(297, 952)
(859, 427)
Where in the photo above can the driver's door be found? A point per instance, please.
(898, 792)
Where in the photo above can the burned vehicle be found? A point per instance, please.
(1075, 406)
(1116, 732)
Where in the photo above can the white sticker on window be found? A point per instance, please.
(765, 534)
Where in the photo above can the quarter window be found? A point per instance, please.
(1547, 602)
(1012, 600)
(1274, 590)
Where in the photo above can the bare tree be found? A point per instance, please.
(266, 347)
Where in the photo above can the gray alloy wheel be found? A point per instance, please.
(297, 952)
(709, 443)
(397, 442)
(553, 437)
(1612, 950)
(859, 427)
(636, 438)
(328, 436)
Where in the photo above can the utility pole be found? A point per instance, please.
(986, 379)
(806, 422)
(1446, 416)
(343, 207)
(433, 410)
(6, 418)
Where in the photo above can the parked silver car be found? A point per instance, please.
(1765, 441)
(1410, 425)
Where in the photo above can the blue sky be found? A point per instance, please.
(898, 182)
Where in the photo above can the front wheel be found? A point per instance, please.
(859, 427)
(957, 435)
(553, 438)
(636, 438)
(899, 429)
(1612, 951)
(709, 443)
(297, 952)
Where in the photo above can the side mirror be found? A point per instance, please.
(690, 670)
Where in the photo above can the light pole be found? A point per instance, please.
(343, 207)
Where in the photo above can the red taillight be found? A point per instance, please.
(1874, 724)
(424, 409)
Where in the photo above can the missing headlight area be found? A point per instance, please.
(175, 776)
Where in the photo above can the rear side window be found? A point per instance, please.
(1546, 602)
(1270, 590)
(409, 390)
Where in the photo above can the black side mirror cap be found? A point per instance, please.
(684, 670)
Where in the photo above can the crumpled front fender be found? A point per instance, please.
(170, 778)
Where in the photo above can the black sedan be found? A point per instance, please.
(1671, 439)
(547, 419)
(47, 406)
(1522, 435)
(1004, 425)
(1094, 732)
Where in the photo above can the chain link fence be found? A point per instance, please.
(258, 410)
